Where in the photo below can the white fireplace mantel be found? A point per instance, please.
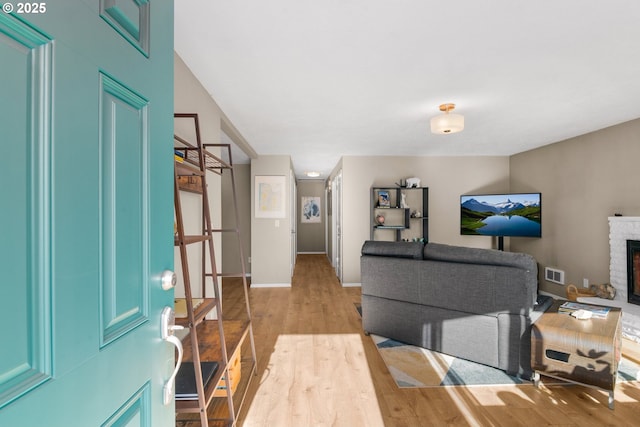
(621, 229)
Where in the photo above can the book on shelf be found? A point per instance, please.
(598, 311)
(186, 379)
(383, 199)
(180, 307)
(178, 156)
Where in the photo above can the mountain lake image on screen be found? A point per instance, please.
(509, 214)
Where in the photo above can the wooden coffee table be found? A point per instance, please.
(586, 352)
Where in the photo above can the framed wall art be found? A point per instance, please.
(310, 210)
(270, 193)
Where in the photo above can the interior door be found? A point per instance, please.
(85, 171)
(337, 224)
(293, 208)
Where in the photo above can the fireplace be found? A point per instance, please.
(621, 230)
(633, 271)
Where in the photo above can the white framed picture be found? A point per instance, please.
(270, 192)
(310, 210)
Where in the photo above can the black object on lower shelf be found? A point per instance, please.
(186, 379)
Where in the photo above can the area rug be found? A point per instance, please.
(412, 366)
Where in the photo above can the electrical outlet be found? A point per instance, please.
(249, 260)
(585, 283)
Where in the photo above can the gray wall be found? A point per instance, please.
(191, 97)
(311, 236)
(231, 253)
(583, 181)
(446, 177)
(271, 238)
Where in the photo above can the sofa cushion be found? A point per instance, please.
(392, 278)
(411, 250)
(440, 252)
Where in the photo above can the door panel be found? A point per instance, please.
(130, 19)
(124, 209)
(27, 362)
(134, 413)
(86, 173)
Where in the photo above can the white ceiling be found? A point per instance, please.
(319, 79)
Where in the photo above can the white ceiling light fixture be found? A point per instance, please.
(312, 174)
(447, 123)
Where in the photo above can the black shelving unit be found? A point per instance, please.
(400, 222)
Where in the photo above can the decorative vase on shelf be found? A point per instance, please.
(380, 219)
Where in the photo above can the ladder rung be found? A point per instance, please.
(183, 169)
(226, 275)
(199, 312)
(224, 230)
(213, 162)
(187, 240)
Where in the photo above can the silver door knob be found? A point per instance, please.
(168, 280)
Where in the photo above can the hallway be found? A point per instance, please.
(311, 360)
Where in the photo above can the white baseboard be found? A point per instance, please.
(352, 285)
(549, 294)
(270, 285)
(311, 253)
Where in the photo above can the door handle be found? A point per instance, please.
(168, 326)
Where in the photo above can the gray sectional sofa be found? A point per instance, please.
(476, 304)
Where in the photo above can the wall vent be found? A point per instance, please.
(554, 275)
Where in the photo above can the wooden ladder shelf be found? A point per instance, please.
(218, 340)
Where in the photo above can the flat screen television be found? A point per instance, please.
(501, 215)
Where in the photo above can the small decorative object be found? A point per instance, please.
(383, 199)
(413, 182)
(602, 291)
(403, 201)
(605, 290)
(380, 219)
(582, 314)
(416, 214)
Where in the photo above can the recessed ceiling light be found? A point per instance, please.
(312, 174)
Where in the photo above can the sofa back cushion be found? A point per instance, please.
(473, 288)
(411, 250)
(391, 278)
(489, 257)
(440, 252)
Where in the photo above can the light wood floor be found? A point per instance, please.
(317, 368)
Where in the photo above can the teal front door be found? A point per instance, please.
(86, 212)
